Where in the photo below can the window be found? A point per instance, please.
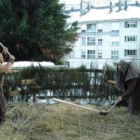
(91, 27)
(91, 41)
(115, 41)
(72, 54)
(99, 55)
(114, 31)
(130, 38)
(90, 54)
(83, 54)
(83, 43)
(130, 24)
(114, 54)
(100, 30)
(83, 31)
(130, 52)
(100, 42)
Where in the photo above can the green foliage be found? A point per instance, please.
(82, 68)
(109, 72)
(62, 78)
(59, 81)
(59, 63)
(11, 82)
(62, 82)
(36, 29)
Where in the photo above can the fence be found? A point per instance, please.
(41, 82)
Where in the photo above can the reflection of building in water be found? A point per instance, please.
(106, 33)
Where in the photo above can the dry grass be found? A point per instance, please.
(63, 122)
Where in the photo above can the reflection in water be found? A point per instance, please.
(47, 95)
(99, 101)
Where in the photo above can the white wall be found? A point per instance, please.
(106, 47)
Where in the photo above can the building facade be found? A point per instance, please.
(106, 34)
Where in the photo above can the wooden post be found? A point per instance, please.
(34, 98)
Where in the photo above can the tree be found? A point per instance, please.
(36, 29)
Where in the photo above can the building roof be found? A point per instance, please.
(103, 14)
(67, 2)
(95, 2)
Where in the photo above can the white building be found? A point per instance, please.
(106, 34)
